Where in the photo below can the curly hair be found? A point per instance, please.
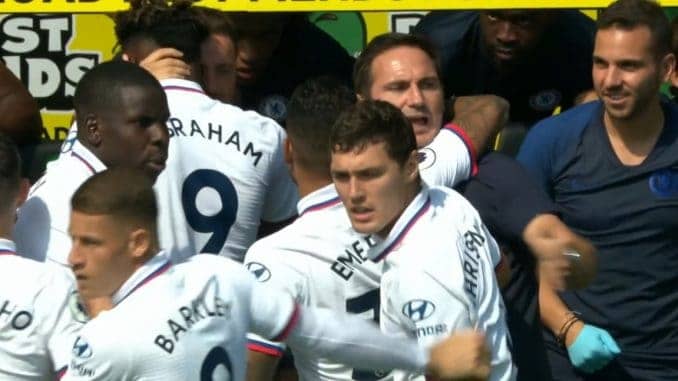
(167, 23)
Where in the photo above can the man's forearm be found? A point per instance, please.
(481, 117)
(555, 314)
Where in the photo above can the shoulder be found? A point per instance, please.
(567, 125)
(28, 274)
(260, 128)
(449, 200)
(438, 24)
(206, 266)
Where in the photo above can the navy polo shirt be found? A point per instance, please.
(630, 213)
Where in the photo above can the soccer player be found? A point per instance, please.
(438, 259)
(188, 321)
(122, 111)
(317, 259)
(39, 315)
(225, 179)
(610, 165)
(218, 56)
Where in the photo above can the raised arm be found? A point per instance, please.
(19, 114)
(481, 117)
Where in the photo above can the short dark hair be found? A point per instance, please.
(371, 122)
(100, 89)
(312, 110)
(123, 193)
(216, 22)
(10, 172)
(629, 14)
(174, 25)
(362, 69)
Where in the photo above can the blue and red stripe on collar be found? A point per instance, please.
(322, 198)
(153, 269)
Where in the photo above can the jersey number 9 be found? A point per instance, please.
(218, 224)
(217, 356)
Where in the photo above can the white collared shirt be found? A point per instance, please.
(41, 231)
(439, 262)
(225, 173)
(39, 317)
(321, 262)
(180, 322)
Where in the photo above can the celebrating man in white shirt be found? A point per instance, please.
(122, 111)
(39, 314)
(226, 179)
(437, 257)
(188, 321)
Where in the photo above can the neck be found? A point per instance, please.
(7, 225)
(309, 181)
(95, 306)
(410, 195)
(643, 127)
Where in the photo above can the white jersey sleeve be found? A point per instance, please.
(274, 313)
(279, 274)
(448, 159)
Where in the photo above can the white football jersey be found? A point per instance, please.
(180, 322)
(41, 230)
(439, 277)
(225, 174)
(321, 262)
(449, 159)
(39, 317)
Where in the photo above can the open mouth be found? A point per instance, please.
(418, 120)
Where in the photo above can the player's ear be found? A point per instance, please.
(668, 67)
(412, 166)
(140, 243)
(288, 152)
(24, 187)
(92, 129)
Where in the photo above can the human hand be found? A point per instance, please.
(462, 356)
(165, 63)
(590, 347)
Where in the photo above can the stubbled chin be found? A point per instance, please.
(424, 136)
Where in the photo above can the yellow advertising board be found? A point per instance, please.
(99, 6)
(51, 51)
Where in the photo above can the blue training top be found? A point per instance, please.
(630, 213)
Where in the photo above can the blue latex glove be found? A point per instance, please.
(592, 349)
